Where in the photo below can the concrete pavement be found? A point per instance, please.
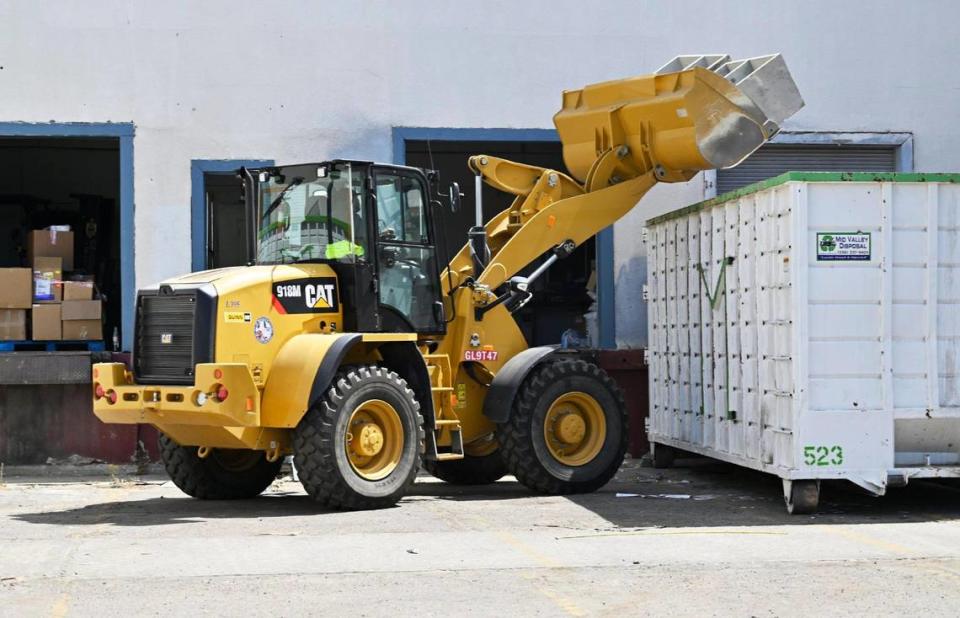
(706, 538)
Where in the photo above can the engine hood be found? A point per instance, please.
(237, 278)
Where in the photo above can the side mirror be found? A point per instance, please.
(455, 196)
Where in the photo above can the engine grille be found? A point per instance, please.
(165, 349)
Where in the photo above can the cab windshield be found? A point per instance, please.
(310, 213)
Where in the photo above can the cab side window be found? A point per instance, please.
(406, 261)
(400, 209)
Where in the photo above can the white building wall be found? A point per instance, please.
(295, 80)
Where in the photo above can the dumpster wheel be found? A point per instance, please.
(802, 497)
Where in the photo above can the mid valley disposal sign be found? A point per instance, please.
(843, 246)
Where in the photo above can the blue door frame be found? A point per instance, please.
(198, 206)
(605, 296)
(124, 131)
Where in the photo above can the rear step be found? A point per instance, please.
(441, 390)
(456, 437)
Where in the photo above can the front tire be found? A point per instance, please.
(224, 474)
(360, 446)
(567, 431)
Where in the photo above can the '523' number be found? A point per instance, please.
(823, 455)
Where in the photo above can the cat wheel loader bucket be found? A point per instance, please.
(694, 113)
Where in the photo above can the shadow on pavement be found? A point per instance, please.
(695, 493)
(703, 493)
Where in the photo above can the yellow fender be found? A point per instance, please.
(307, 363)
(300, 373)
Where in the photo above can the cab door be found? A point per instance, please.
(407, 270)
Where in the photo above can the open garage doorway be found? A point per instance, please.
(217, 215)
(562, 296)
(66, 181)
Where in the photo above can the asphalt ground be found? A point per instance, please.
(701, 539)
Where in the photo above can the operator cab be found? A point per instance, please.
(371, 223)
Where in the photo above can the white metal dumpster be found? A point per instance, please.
(809, 326)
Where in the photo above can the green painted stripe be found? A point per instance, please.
(807, 177)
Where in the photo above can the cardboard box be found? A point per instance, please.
(82, 330)
(77, 290)
(13, 324)
(46, 323)
(81, 310)
(47, 277)
(16, 288)
(50, 243)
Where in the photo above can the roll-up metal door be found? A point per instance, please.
(774, 159)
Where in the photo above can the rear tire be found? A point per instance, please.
(546, 447)
(359, 447)
(225, 474)
(471, 470)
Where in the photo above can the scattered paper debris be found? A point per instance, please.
(73, 460)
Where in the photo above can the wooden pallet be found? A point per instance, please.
(52, 346)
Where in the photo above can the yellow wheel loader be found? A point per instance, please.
(346, 344)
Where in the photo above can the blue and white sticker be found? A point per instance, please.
(263, 330)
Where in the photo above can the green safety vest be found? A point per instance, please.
(343, 248)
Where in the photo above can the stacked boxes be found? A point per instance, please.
(46, 322)
(16, 297)
(81, 315)
(56, 241)
(47, 279)
(62, 307)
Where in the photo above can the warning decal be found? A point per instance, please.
(843, 246)
(236, 316)
(311, 295)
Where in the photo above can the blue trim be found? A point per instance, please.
(198, 215)
(128, 273)
(902, 140)
(67, 129)
(904, 161)
(125, 131)
(606, 318)
(402, 134)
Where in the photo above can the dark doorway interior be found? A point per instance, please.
(71, 181)
(560, 296)
(225, 220)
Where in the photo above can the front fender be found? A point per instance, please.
(503, 389)
(300, 374)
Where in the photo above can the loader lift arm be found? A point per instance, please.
(619, 139)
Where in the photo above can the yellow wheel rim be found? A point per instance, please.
(374, 439)
(574, 428)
